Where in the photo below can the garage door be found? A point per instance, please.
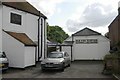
(86, 52)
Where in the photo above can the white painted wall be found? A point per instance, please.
(37, 54)
(29, 26)
(67, 49)
(6, 20)
(45, 41)
(29, 56)
(29, 23)
(91, 51)
(14, 51)
(1, 27)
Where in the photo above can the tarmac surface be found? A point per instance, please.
(78, 69)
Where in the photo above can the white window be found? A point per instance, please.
(86, 41)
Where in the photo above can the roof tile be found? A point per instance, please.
(22, 37)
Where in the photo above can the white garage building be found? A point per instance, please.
(87, 45)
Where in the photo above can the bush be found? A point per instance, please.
(112, 62)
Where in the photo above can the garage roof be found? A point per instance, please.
(22, 37)
(86, 32)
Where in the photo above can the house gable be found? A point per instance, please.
(86, 32)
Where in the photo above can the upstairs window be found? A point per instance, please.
(15, 19)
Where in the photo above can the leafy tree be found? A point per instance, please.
(107, 34)
(56, 34)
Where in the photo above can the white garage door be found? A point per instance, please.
(90, 49)
(86, 52)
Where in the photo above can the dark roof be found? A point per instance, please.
(22, 37)
(24, 6)
(86, 32)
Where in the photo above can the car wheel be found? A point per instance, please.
(4, 71)
(42, 69)
(62, 69)
(63, 66)
(68, 65)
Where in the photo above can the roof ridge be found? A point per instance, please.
(86, 34)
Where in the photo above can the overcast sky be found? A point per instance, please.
(74, 15)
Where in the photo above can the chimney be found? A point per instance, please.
(119, 7)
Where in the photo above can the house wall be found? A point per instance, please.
(91, 51)
(29, 26)
(0, 27)
(14, 50)
(113, 32)
(45, 38)
(29, 56)
(29, 23)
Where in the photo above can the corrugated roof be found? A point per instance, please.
(24, 6)
(22, 37)
(86, 32)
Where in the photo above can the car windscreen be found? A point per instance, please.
(55, 55)
(2, 55)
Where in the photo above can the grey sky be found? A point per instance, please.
(73, 15)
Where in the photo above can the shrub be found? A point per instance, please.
(112, 60)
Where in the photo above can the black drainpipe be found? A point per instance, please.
(39, 56)
(38, 35)
(72, 48)
(41, 38)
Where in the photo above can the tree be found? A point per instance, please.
(56, 34)
(107, 34)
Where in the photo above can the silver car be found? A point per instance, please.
(3, 62)
(56, 60)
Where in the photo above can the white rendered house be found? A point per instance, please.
(22, 33)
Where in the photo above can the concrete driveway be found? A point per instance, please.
(78, 69)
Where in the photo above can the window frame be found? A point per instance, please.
(15, 18)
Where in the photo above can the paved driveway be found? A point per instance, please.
(78, 69)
